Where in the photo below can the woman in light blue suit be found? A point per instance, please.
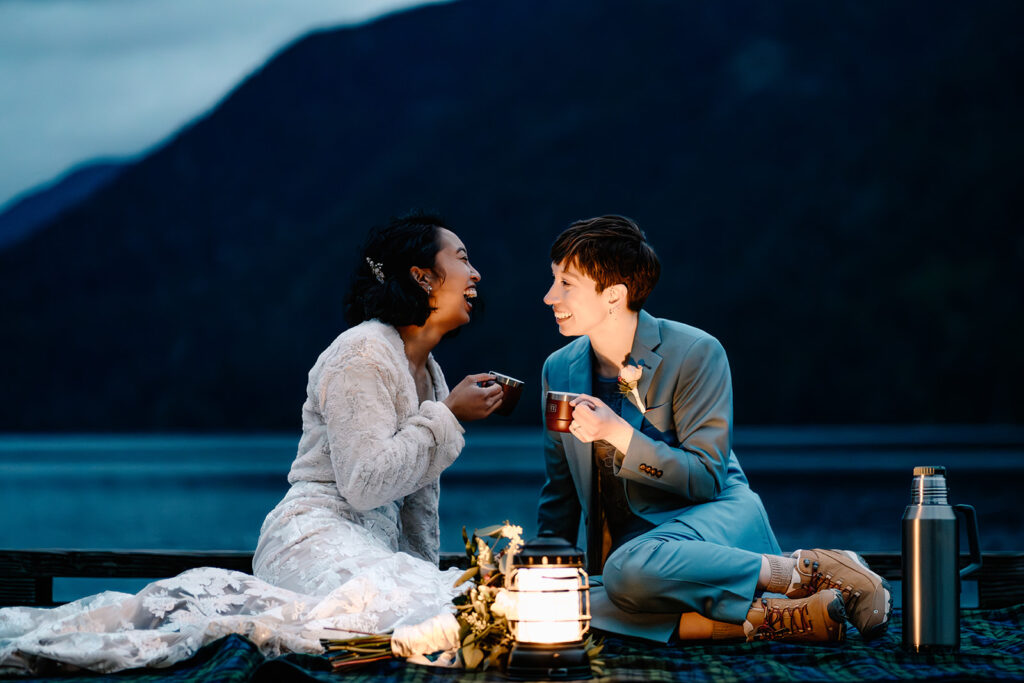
(685, 546)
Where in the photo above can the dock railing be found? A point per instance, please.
(26, 576)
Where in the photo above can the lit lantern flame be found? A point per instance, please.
(548, 606)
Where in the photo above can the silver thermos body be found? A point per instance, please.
(931, 554)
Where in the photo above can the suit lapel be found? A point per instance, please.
(580, 373)
(646, 339)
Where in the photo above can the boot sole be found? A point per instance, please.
(878, 630)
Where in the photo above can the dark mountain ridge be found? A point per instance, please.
(36, 207)
(833, 190)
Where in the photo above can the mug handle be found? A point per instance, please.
(971, 520)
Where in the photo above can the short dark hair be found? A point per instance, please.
(396, 298)
(610, 250)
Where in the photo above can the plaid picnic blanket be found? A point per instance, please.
(992, 648)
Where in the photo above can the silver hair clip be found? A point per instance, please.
(377, 268)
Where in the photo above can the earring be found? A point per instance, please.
(429, 289)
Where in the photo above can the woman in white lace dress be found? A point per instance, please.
(354, 544)
(379, 427)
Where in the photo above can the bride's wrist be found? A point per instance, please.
(451, 408)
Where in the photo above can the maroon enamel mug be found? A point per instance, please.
(557, 411)
(511, 389)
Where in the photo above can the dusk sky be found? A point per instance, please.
(84, 79)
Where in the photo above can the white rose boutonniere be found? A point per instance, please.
(629, 377)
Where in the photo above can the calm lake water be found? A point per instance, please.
(838, 487)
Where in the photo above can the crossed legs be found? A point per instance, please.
(672, 570)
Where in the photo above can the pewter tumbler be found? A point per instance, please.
(931, 553)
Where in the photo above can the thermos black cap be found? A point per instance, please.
(926, 471)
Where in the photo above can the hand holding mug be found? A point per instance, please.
(593, 420)
(470, 401)
(511, 388)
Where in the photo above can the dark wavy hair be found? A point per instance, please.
(406, 241)
(610, 250)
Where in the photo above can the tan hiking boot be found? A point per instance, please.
(819, 618)
(866, 595)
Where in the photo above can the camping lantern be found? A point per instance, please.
(551, 614)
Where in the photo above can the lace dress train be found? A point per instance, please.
(318, 575)
(367, 588)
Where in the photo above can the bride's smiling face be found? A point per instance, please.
(453, 284)
(578, 306)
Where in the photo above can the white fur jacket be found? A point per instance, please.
(365, 430)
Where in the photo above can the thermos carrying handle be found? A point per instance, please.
(971, 520)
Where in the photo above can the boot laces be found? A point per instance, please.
(820, 581)
(782, 621)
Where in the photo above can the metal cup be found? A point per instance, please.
(557, 411)
(511, 389)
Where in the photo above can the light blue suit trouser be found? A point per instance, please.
(706, 560)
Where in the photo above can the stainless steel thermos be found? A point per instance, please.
(931, 553)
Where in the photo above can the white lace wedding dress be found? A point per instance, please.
(352, 547)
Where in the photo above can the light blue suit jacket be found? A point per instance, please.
(681, 451)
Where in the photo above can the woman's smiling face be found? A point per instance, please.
(578, 306)
(454, 288)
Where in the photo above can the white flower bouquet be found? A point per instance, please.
(476, 636)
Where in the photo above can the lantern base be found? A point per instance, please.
(553, 662)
